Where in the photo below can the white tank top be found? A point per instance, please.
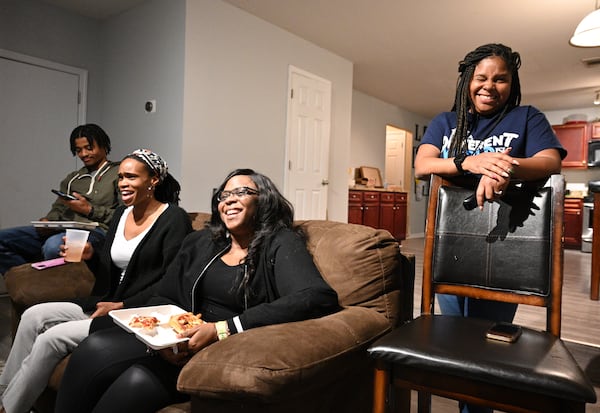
(122, 249)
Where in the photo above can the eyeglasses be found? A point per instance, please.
(238, 192)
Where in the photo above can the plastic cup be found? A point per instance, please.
(75, 242)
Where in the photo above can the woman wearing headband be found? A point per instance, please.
(142, 240)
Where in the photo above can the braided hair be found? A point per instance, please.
(462, 101)
(273, 212)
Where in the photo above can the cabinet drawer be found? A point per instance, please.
(370, 198)
(387, 197)
(355, 197)
(401, 198)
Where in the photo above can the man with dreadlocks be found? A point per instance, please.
(94, 188)
(487, 134)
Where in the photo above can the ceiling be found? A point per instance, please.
(406, 52)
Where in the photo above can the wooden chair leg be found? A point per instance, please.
(381, 384)
(401, 400)
(424, 402)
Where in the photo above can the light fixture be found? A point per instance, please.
(587, 33)
(597, 98)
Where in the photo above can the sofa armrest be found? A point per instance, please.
(27, 286)
(285, 360)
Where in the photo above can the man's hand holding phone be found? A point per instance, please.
(76, 202)
(64, 196)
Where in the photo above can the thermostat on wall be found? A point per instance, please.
(150, 106)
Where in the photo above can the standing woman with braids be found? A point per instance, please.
(488, 134)
(142, 240)
(248, 268)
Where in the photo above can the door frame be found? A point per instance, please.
(82, 75)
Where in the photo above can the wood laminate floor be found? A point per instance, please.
(580, 317)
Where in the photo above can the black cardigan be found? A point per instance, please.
(148, 263)
(287, 286)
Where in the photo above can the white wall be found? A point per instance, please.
(236, 78)
(39, 30)
(145, 56)
(369, 118)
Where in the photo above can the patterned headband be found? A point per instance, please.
(153, 160)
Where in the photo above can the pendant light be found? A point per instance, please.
(587, 33)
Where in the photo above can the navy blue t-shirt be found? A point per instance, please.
(524, 129)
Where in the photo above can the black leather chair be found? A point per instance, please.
(511, 251)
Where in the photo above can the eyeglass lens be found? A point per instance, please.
(238, 192)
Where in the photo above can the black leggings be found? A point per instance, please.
(110, 371)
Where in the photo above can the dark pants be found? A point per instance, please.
(111, 371)
(20, 245)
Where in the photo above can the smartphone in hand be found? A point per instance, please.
(64, 196)
(504, 332)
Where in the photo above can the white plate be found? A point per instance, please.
(64, 224)
(165, 335)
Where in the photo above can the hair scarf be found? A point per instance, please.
(153, 160)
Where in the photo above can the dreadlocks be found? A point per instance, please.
(462, 101)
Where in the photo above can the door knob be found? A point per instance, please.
(324, 182)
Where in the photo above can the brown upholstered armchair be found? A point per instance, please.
(318, 365)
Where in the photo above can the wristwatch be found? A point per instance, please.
(458, 161)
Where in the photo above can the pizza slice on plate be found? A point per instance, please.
(147, 324)
(185, 321)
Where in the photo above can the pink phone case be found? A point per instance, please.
(42, 265)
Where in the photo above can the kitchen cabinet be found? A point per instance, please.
(392, 213)
(574, 138)
(379, 209)
(595, 130)
(363, 208)
(573, 222)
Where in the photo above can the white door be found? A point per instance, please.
(395, 142)
(40, 104)
(308, 135)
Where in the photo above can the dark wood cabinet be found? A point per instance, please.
(392, 213)
(573, 222)
(379, 209)
(574, 137)
(363, 208)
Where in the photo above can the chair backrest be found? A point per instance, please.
(511, 251)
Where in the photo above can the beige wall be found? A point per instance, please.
(369, 118)
(235, 97)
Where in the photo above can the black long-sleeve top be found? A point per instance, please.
(286, 287)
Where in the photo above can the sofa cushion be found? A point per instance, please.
(281, 361)
(359, 262)
(27, 286)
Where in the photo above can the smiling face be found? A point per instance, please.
(490, 86)
(237, 211)
(134, 181)
(92, 155)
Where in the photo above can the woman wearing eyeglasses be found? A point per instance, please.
(248, 268)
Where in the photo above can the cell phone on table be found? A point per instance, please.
(63, 195)
(504, 332)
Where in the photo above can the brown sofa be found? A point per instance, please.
(315, 365)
